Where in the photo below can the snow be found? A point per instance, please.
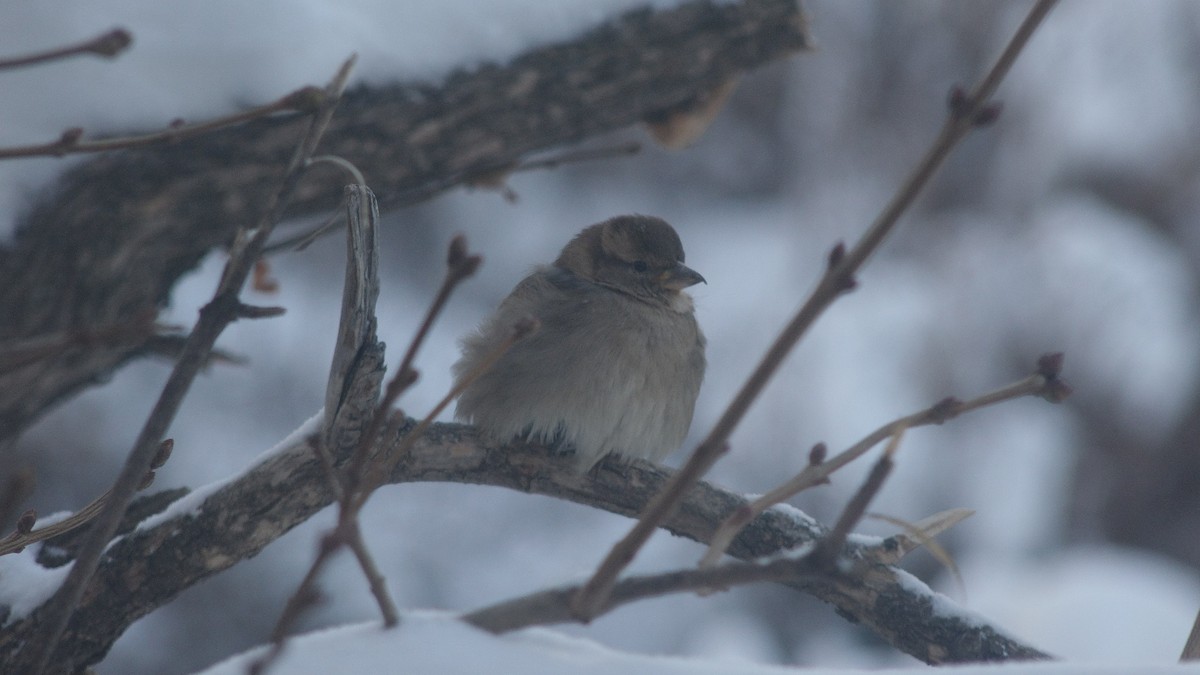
(437, 643)
(1093, 604)
(252, 53)
(192, 501)
(1019, 263)
(25, 585)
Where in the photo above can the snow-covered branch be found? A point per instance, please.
(215, 527)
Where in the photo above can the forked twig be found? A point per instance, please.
(555, 605)
(830, 546)
(377, 473)
(224, 308)
(24, 535)
(967, 112)
(364, 474)
(460, 265)
(1046, 383)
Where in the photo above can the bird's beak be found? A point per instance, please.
(680, 277)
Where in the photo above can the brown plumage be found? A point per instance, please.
(618, 361)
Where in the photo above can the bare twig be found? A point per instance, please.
(17, 488)
(354, 486)
(25, 536)
(303, 100)
(839, 278)
(107, 45)
(214, 317)
(375, 580)
(490, 178)
(1046, 384)
(343, 403)
(258, 505)
(377, 473)
(306, 596)
(555, 605)
(459, 266)
(135, 331)
(1191, 648)
(828, 549)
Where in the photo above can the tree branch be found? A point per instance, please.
(187, 197)
(967, 111)
(215, 528)
(223, 309)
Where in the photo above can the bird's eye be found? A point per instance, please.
(639, 266)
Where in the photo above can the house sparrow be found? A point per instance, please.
(618, 361)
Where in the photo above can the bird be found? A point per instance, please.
(618, 360)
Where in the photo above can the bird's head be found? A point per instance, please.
(637, 255)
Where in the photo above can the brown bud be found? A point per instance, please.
(837, 253)
(263, 281)
(1050, 365)
(1056, 390)
(944, 409)
(458, 251)
(163, 454)
(68, 140)
(988, 114)
(112, 43)
(817, 454)
(956, 101)
(26, 522)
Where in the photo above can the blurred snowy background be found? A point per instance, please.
(1069, 225)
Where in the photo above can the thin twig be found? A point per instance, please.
(459, 266)
(377, 473)
(214, 317)
(343, 398)
(555, 605)
(375, 580)
(347, 533)
(17, 488)
(20, 538)
(828, 549)
(20, 353)
(303, 100)
(1040, 384)
(839, 278)
(474, 177)
(108, 45)
(306, 596)
(1191, 648)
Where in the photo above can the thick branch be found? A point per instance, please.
(149, 567)
(158, 211)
